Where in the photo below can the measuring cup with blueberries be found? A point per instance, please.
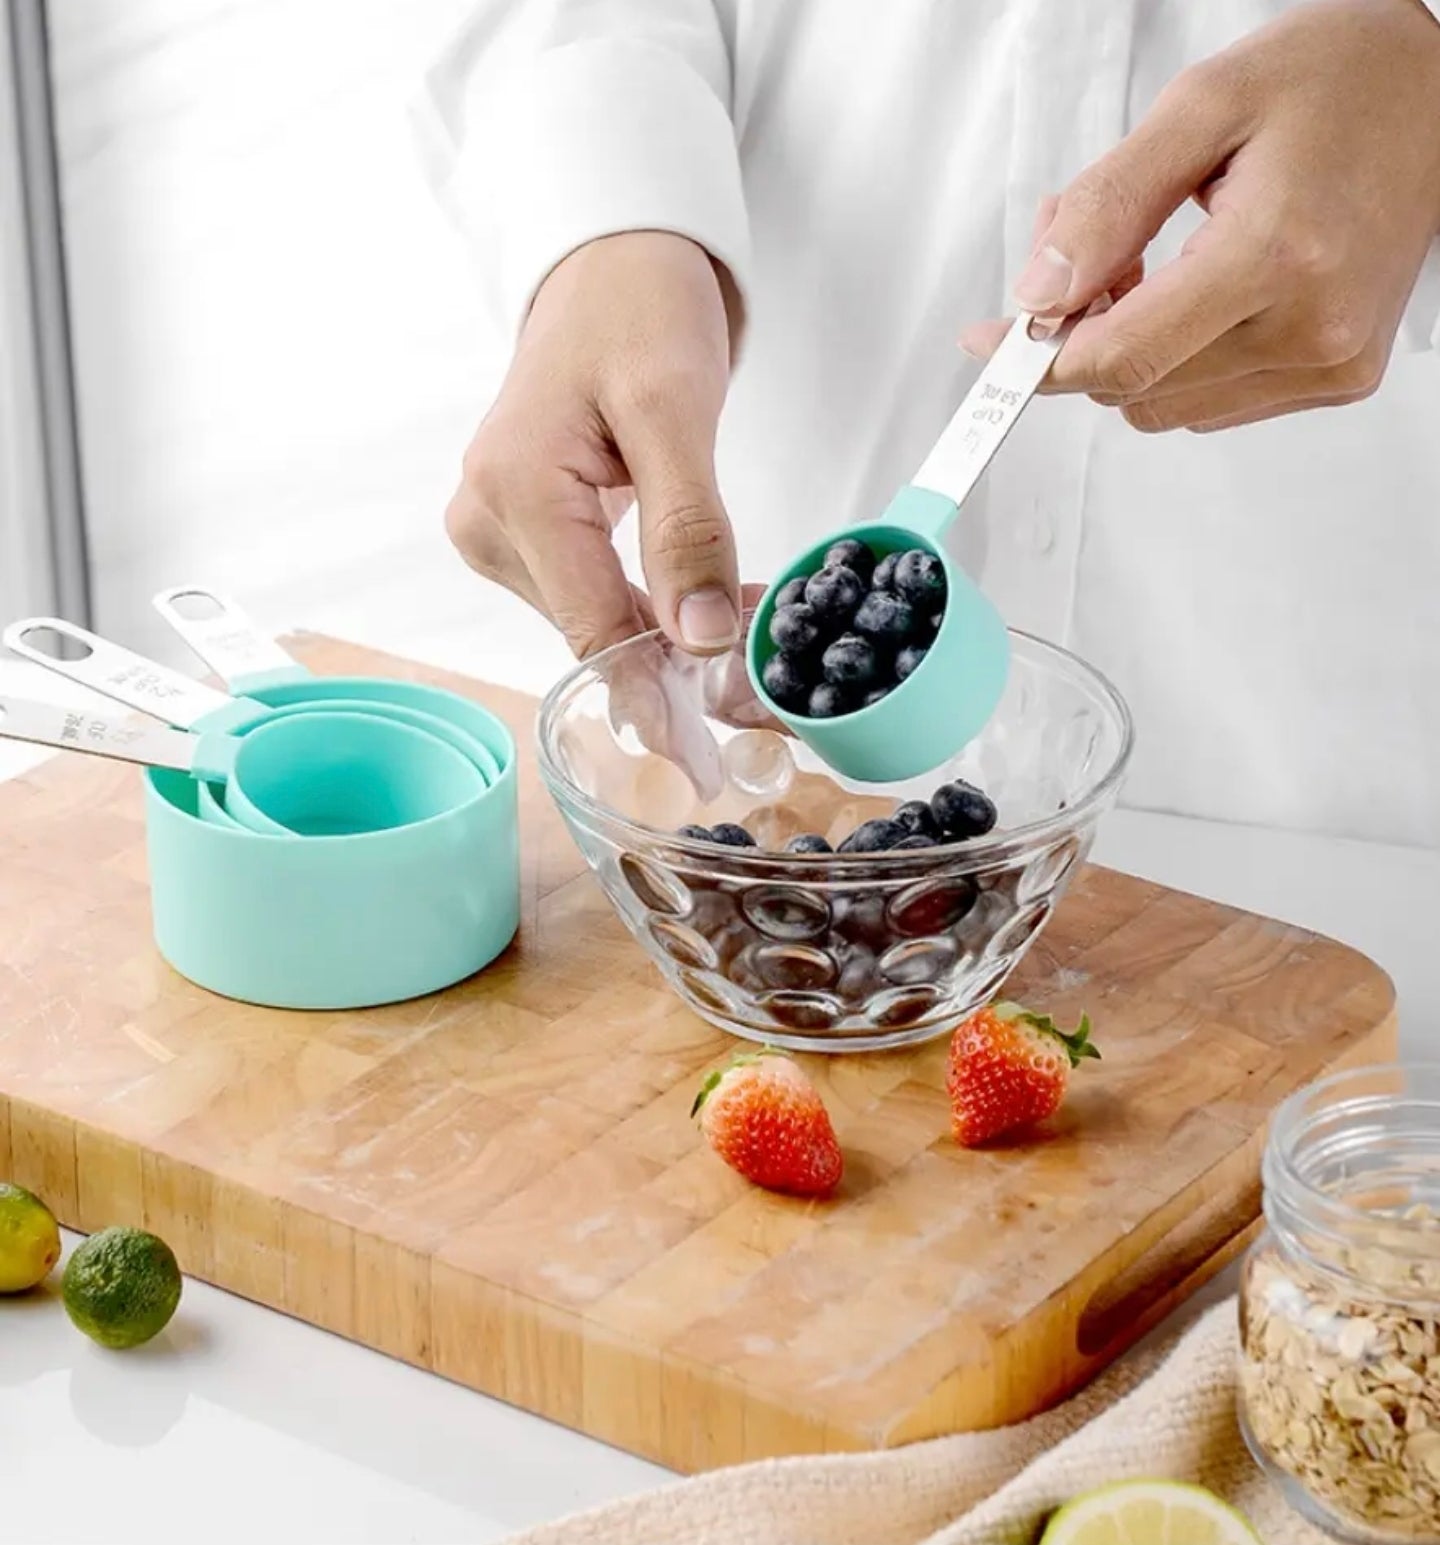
(850, 633)
(845, 637)
(877, 649)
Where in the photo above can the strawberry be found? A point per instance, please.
(1008, 1068)
(764, 1117)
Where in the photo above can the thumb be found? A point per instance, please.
(1109, 215)
(686, 543)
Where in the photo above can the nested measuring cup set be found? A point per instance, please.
(313, 842)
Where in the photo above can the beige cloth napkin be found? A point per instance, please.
(1168, 1412)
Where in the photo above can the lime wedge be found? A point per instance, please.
(1148, 1513)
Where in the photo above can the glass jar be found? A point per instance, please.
(1340, 1307)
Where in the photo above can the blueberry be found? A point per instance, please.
(932, 624)
(808, 842)
(876, 693)
(850, 554)
(799, 1011)
(936, 908)
(874, 836)
(827, 701)
(785, 680)
(962, 810)
(916, 817)
(861, 920)
(787, 969)
(731, 836)
(731, 941)
(741, 969)
(791, 592)
(795, 629)
(851, 661)
(785, 914)
(884, 576)
(908, 658)
(834, 593)
(920, 578)
(857, 970)
(695, 833)
(885, 618)
(914, 841)
(711, 912)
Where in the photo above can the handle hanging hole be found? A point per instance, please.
(56, 645)
(196, 605)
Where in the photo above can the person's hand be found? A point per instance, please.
(614, 393)
(1314, 147)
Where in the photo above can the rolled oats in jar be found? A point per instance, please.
(1340, 1307)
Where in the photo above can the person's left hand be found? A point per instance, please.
(1313, 145)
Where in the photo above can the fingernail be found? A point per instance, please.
(708, 620)
(1046, 281)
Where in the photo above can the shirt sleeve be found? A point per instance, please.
(545, 127)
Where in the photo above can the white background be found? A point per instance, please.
(280, 353)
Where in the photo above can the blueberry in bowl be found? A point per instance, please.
(799, 908)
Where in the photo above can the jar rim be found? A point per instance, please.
(1295, 1201)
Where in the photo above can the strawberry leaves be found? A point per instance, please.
(1076, 1042)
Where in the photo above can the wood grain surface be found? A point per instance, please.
(501, 1183)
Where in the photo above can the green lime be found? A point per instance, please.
(121, 1286)
(1152, 1512)
(29, 1239)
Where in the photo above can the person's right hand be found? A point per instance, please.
(616, 386)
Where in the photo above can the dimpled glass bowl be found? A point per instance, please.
(849, 952)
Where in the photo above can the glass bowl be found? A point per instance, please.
(829, 952)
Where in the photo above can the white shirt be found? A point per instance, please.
(1266, 598)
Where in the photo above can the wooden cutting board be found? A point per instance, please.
(502, 1184)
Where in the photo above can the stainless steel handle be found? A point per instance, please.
(70, 729)
(990, 410)
(226, 640)
(118, 673)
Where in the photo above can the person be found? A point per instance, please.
(735, 244)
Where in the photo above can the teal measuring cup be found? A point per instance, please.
(327, 922)
(340, 774)
(930, 715)
(404, 913)
(330, 923)
(372, 775)
(950, 697)
(338, 922)
(422, 801)
(290, 775)
(349, 772)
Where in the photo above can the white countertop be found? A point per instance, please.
(240, 1423)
